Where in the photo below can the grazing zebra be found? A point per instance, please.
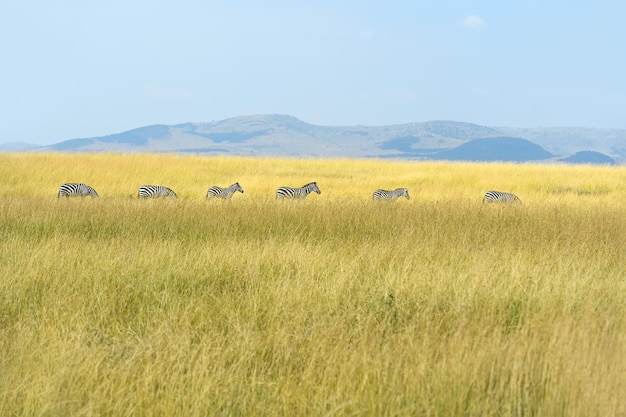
(76, 190)
(225, 193)
(302, 192)
(155, 191)
(391, 195)
(500, 197)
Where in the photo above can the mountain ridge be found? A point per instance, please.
(287, 136)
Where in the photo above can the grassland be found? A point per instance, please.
(332, 306)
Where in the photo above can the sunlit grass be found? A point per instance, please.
(334, 305)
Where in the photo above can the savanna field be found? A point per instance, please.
(335, 305)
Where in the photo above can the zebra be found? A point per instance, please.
(302, 192)
(71, 189)
(155, 191)
(225, 193)
(500, 197)
(391, 195)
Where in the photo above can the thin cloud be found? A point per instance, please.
(473, 22)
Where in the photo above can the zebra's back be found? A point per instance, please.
(73, 189)
(224, 193)
(500, 197)
(155, 191)
(288, 192)
(297, 193)
(390, 194)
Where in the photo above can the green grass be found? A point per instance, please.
(331, 306)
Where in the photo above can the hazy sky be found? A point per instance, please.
(83, 68)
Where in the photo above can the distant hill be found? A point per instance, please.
(18, 147)
(565, 141)
(589, 157)
(495, 149)
(287, 136)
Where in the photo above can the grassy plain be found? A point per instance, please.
(332, 306)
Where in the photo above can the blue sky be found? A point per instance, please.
(83, 68)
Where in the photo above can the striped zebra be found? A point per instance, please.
(391, 195)
(500, 197)
(155, 191)
(302, 192)
(71, 189)
(225, 193)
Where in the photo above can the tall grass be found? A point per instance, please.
(330, 306)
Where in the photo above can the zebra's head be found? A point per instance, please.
(403, 192)
(313, 187)
(237, 187)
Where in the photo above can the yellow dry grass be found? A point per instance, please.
(331, 306)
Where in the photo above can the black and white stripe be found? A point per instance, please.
(391, 195)
(76, 190)
(225, 193)
(155, 191)
(302, 192)
(500, 197)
